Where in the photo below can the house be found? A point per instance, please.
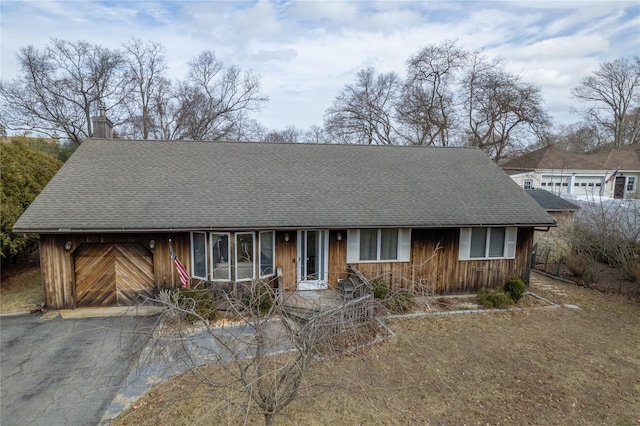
(443, 220)
(613, 174)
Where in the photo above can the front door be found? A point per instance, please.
(618, 189)
(313, 259)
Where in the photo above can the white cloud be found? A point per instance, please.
(306, 51)
(319, 11)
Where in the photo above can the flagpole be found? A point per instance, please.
(173, 284)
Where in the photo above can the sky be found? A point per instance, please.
(307, 51)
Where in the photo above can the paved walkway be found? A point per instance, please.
(168, 354)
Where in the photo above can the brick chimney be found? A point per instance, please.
(102, 126)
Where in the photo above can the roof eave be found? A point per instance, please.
(277, 228)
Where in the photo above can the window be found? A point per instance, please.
(631, 183)
(528, 184)
(378, 245)
(212, 260)
(267, 250)
(220, 257)
(487, 243)
(199, 255)
(245, 269)
(369, 244)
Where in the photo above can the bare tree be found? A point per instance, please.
(577, 137)
(61, 87)
(290, 135)
(612, 98)
(149, 97)
(214, 99)
(363, 112)
(502, 111)
(427, 109)
(264, 357)
(315, 134)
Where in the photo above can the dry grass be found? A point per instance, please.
(20, 289)
(545, 366)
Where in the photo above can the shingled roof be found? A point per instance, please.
(553, 158)
(551, 202)
(123, 185)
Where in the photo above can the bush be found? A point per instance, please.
(400, 302)
(202, 302)
(380, 289)
(260, 299)
(583, 267)
(24, 173)
(515, 288)
(631, 271)
(492, 298)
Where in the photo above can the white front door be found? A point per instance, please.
(313, 259)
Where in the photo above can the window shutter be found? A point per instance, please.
(353, 246)
(464, 250)
(404, 244)
(510, 242)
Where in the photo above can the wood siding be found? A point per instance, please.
(429, 270)
(59, 265)
(439, 271)
(286, 255)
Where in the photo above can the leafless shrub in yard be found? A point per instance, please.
(266, 355)
(606, 231)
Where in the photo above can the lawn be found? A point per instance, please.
(541, 366)
(20, 289)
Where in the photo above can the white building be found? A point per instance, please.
(612, 174)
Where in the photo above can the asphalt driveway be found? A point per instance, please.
(65, 371)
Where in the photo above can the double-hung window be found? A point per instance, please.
(267, 243)
(488, 243)
(631, 183)
(378, 245)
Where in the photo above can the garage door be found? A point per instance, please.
(112, 274)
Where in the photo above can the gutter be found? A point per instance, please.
(267, 228)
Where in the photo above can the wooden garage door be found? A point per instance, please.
(112, 274)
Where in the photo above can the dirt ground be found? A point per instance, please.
(575, 364)
(607, 279)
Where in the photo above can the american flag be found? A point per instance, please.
(612, 177)
(182, 271)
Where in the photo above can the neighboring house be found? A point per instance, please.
(443, 220)
(562, 211)
(613, 174)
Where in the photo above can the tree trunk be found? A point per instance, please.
(269, 419)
